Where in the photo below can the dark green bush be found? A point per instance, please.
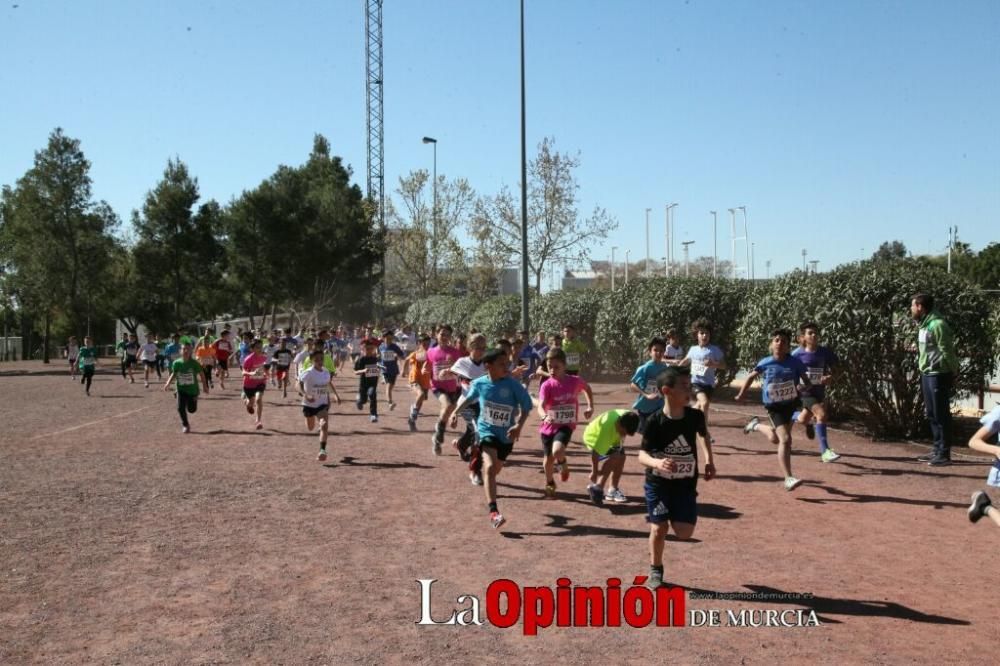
(862, 310)
(497, 317)
(630, 316)
(427, 312)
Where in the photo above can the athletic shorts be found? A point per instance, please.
(810, 401)
(282, 371)
(993, 479)
(390, 377)
(562, 435)
(72, 362)
(251, 391)
(130, 361)
(453, 396)
(781, 413)
(150, 364)
(223, 359)
(269, 365)
(709, 391)
(665, 503)
(613, 451)
(503, 450)
(321, 411)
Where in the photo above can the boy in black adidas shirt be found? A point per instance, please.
(670, 456)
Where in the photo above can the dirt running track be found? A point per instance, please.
(123, 541)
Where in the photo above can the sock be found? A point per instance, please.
(656, 567)
(322, 445)
(493, 506)
(821, 436)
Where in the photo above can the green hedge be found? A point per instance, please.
(862, 310)
(428, 312)
(633, 314)
(497, 317)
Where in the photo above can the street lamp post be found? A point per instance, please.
(669, 240)
(687, 272)
(613, 248)
(434, 205)
(627, 252)
(648, 211)
(804, 259)
(746, 239)
(715, 243)
(767, 269)
(525, 317)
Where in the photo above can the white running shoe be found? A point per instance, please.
(791, 483)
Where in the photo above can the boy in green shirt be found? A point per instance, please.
(87, 362)
(574, 350)
(604, 436)
(187, 372)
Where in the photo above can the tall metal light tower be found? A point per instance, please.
(376, 137)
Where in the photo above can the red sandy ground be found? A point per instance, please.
(123, 541)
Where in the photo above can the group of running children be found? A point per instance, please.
(488, 388)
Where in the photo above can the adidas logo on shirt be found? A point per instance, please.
(678, 446)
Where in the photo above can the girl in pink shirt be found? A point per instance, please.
(254, 382)
(557, 405)
(446, 388)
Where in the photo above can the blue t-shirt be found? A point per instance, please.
(388, 358)
(781, 379)
(499, 404)
(645, 378)
(530, 358)
(172, 351)
(245, 350)
(700, 374)
(992, 421)
(818, 364)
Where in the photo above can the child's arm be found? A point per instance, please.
(170, 379)
(979, 443)
(334, 389)
(746, 385)
(705, 444)
(589, 411)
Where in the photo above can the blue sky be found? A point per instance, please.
(838, 124)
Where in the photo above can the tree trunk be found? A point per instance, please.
(45, 339)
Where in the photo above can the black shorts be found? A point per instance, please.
(150, 364)
(781, 413)
(562, 435)
(453, 396)
(503, 450)
(251, 391)
(130, 361)
(310, 412)
(709, 391)
(72, 362)
(664, 503)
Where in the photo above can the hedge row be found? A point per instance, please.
(862, 310)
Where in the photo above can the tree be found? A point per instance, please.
(888, 251)
(303, 239)
(555, 231)
(56, 239)
(423, 256)
(177, 255)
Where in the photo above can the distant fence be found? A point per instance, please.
(10, 348)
